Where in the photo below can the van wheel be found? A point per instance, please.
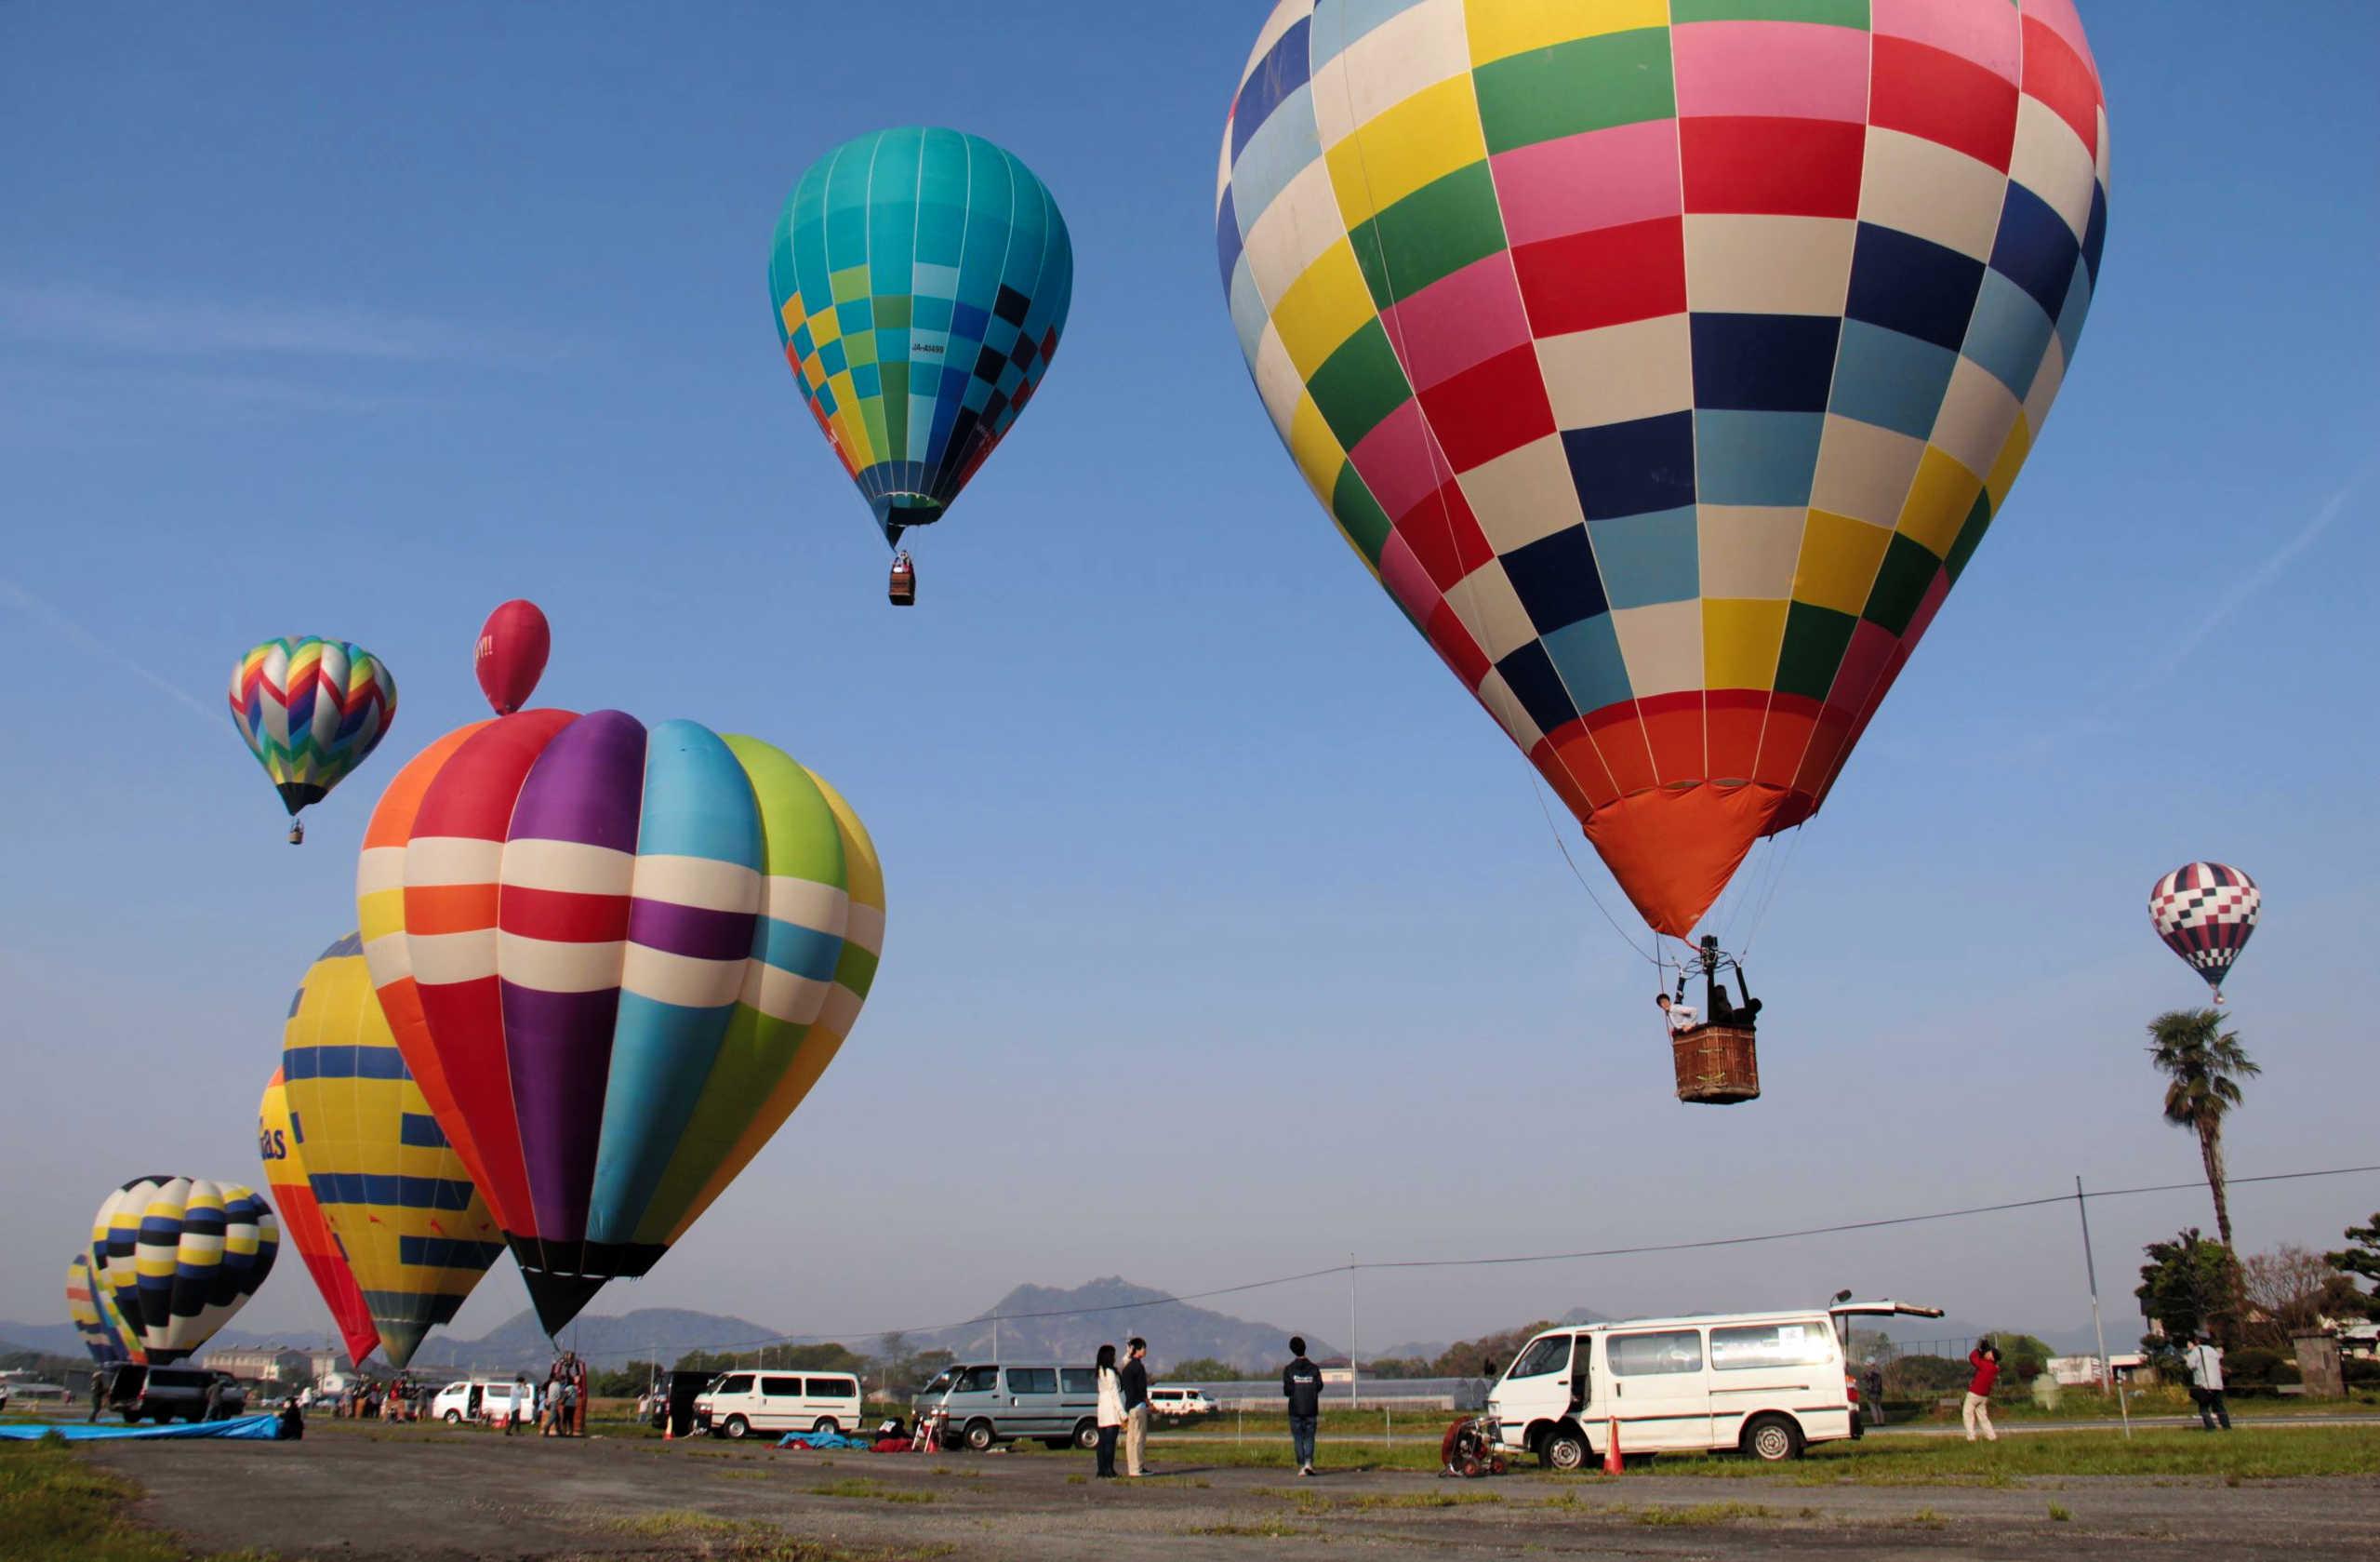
(827, 1425)
(736, 1426)
(454, 1418)
(1562, 1450)
(1086, 1435)
(979, 1435)
(1773, 1439)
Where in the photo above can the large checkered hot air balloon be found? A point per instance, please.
(1666, 361)
(920, 279)
(615, 959)
(310, 710)
(178, 1256)
(2204, 911)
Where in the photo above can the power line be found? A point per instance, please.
(1512, 1260)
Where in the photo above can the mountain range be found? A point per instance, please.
(1032, 1322)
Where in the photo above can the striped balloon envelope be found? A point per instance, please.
(394, 1196)
(310, 710)
(95, 1315)
(179, 1256)
(1666, 360)
(920, 279)
(617, 958)
(282, 1149)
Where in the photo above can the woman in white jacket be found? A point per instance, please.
(1110, 1410)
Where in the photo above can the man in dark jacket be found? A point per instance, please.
(1301, 1384)
(1134, 1380)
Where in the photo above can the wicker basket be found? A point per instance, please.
(1717, 1065)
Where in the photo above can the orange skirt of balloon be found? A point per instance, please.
(1674, 849)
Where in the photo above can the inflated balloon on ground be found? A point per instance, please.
(1666, 360)
(282, 1150)
(397, 1199)
(616, 959)
(95, 1315)
(179, 1256)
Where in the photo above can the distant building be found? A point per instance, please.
(271, 1364)
(2082, 1371)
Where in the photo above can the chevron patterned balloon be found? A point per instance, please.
(310, 710)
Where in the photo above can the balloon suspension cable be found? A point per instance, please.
(1775, 882)
(1537, 788)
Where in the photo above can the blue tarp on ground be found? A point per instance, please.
(261, 1428)
(822, 1441)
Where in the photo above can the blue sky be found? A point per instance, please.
(1226, 936)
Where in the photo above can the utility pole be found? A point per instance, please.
(1351, 1371)
(2091, 1269)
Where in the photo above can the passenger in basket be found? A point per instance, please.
(1681, 1017)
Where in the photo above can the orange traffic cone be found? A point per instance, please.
(1612, 1461)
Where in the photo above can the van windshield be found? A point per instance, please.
(1548, 1354)
(942, 1381)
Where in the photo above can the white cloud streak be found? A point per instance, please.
(34, 607)
(2263, 575)
(75, 315)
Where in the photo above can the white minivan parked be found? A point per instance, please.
(739, 1404)
(1768, 1385)
(477, 1398)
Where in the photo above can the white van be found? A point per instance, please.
(475, 1398)
(739, 1404)
(1768, 1385)
(1168, 1401)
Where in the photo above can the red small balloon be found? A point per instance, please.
(512, 647)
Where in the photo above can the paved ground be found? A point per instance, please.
(361, 1496)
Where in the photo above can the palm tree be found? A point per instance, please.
(2204, 1064)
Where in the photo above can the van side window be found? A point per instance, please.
(1645, 1356)
(980, 1379)
(1550, 1353)
(787, 1388)
(1777, 1344)
(1032, 1379)
(831, 1388)
(1079, 1380)
(738, 1382)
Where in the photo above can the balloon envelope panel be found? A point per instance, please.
(281, 1148)
(310, 710)
(920, 279)
(630, 951)
(1666, 360)
(179, 1256)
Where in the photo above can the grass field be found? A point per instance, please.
(53, 1505)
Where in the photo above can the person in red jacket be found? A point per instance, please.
(1985, 1359)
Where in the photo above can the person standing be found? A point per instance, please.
(1110, 1410)
(1133, 1379)
(1301, 1384)
(1985, 1359)
(98, 1390)
(2206, 1382)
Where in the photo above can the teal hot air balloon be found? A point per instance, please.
(920, 279)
